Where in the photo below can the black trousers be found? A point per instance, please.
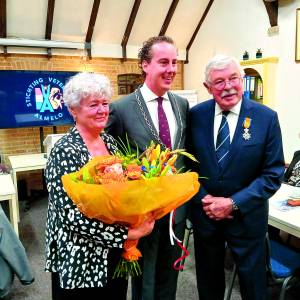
(248, 254)
(115, 289)
(159, 278)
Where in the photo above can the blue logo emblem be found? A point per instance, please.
(44, 96)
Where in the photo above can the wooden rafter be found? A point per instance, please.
(3, 19)
(168, 17)
(91, 27)
(129, 26)
(272, 10)
(3, 30)
(197, 29)
(49, 23)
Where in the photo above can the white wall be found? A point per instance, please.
(233, 26)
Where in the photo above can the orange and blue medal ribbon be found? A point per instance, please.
(246, 125)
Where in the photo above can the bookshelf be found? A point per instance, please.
(264, 69)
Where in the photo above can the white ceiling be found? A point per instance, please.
(27, 19)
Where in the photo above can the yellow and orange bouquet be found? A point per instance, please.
(127, 188)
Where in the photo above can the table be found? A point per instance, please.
(288, 221)
(8, 192)
(26, 162)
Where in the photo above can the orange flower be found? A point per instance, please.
(131, 252)
(106, 178)
(108, 161)
(134, 171)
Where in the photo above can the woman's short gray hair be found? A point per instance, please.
(85, 85)
(219, 62)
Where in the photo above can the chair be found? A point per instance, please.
(283, 267)
(8, 192)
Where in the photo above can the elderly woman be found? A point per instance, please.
(82, 253)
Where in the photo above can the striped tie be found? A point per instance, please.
(223, 140)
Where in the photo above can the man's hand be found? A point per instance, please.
(217, 208)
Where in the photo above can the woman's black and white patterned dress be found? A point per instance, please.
(76, 246)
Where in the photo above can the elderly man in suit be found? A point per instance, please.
(238, 144)
(152, 113)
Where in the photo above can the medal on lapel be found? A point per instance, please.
(247, 124)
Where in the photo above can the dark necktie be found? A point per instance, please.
(164, 130)
(223, 140)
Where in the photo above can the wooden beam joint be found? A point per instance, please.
(272, 11)
(129, 26)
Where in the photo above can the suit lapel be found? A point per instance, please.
(179, 132)
(210, 132)
(236, 141)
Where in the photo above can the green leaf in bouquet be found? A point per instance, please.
(152, 171)
(181, 170)
(86, 177)
(127, 268)
(158, 169)
(183, 152)
(125, 148)
(165, 170)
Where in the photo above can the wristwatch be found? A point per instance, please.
(234, 206)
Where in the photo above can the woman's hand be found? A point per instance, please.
(143, 230)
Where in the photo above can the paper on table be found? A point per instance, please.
(282, 205)
(294, 192)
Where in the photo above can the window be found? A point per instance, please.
(127, 83)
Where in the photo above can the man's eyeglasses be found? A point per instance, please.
(220, 84)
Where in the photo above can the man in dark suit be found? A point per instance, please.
(144, 116)
(238, 144)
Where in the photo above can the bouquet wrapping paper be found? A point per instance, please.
(128, 203)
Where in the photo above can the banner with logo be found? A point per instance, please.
(33, 98)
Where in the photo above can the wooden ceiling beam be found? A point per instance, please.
(50, 14)
(272, 10)
(168, 17)
(129, 26)
(49, 24)
(197, 29)
(3, 33)
(91, 26)
(3, 21)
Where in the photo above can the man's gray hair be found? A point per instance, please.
(220, 62)
(85, 85)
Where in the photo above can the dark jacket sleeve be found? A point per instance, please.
(13, 258)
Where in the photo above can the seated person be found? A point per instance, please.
(292, 173)
(291, 177)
